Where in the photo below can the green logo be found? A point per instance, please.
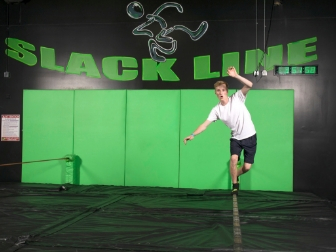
(122, 68)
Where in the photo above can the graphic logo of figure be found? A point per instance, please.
(136, 11)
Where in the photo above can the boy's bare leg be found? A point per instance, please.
(233, 168)
(245, 168)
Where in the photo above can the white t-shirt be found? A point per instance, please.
(234, 115)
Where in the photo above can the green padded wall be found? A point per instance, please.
(47, 134)
(152, 138)
(273, 115)
(204, 160)
(99, 135)
(134, 138)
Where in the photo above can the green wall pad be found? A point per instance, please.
(273, 115)
(47, 134)
(204, 160)
(152, 138)
(99, 135)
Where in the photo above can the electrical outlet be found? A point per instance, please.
(6, 74)
(264, 73)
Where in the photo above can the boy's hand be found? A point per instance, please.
(187, 139)
(232, 71)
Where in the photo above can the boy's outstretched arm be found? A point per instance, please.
(247, 84)
(200, 129)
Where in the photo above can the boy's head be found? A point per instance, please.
(219, 83)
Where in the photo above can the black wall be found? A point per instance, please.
(102, 28)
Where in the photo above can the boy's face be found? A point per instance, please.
(221, 92)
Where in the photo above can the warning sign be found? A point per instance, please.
(10, 127)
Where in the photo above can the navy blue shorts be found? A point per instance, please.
(249, 145)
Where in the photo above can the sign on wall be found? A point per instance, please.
(10, 127)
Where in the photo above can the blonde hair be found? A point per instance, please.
(219, 83)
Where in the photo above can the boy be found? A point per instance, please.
(231, 110)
